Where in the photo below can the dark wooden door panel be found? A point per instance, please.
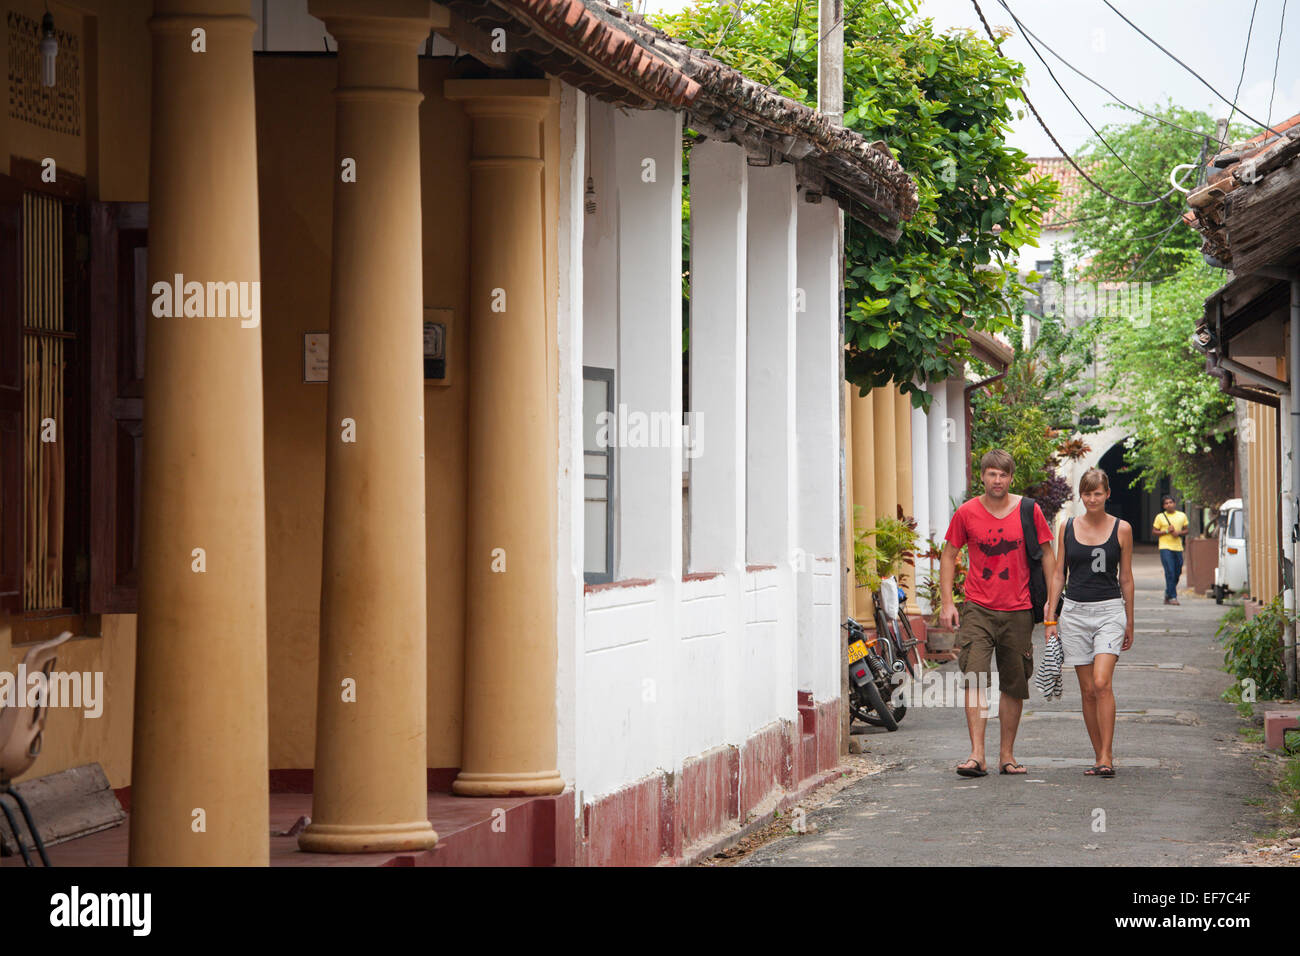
(119, 303)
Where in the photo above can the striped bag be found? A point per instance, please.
(1048, 677)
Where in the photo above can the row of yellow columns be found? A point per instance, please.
(880, 470)
(199, 776)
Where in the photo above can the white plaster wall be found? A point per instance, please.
(770, 444)
(957, 448)
(1048, 242)
(671, 668)
(600, 245)
(939, 435)
(623, 715)
(816, 492)
(766, 661)
(921, 496)
(709, 632)
(719, 177)
(570, 617)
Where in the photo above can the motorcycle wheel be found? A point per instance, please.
(884, 716)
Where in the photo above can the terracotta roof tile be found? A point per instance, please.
(619, 57)
(1071, 185)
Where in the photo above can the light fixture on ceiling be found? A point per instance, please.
(49, 49)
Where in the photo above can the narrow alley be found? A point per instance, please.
(1182, 794)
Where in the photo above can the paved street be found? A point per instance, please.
(1179, 797)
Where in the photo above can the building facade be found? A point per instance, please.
(383, 473)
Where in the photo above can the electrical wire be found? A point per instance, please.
(735, 18)
(1096, 132)
(1129, 106)
(1276, 56)
(1204, 81)
(1244, 54)
(1052, 136)
(840, 19)
(794, 32)
(1154, 249)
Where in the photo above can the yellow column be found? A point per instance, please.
(199, 770)
(510, 653)
(886, 463)
(370, 788)
(903, 444)
(864, 480)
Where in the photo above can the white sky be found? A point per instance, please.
(1209, 36)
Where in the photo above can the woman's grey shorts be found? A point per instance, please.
(1089, 628)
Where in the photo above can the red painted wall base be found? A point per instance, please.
(658, 818)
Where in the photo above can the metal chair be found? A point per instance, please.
(21, 727)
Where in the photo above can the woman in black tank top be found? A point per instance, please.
(1095, 621)
(1093, 570)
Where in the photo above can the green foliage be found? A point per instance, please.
(1173, 410)
(865, 555)
(930, 587)
(894, 546)
(942, 103)
(895, 542)
(1254, 650)
(1043, 395)
(1115, 238)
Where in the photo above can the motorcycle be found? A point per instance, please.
(872, 669)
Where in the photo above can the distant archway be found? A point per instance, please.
(1134, 505)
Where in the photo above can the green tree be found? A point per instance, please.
(1114, 241)
(942, 103)
(1175, 411)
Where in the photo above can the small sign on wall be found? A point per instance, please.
(437, 329)
(315, 356)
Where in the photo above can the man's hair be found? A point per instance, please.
(1164, 498)
(999, 459)
(1093, 479)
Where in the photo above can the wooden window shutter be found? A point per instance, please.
(11, 394)
(119, 302)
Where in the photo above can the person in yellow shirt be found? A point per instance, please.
(1171, 525)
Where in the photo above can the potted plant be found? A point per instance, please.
(878, 561)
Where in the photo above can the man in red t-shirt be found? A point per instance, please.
(996, 619)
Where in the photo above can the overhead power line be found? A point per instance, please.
(1136, 109)
(1096, 132)
(1052, 136)
(1244, 54)
(1276, 56)
(838, 20)
(1204, 81)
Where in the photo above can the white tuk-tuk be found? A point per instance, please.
(1230, 575)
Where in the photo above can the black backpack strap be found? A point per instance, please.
(1032, 547)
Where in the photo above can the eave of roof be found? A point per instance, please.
(1243, 167)
(987, 348)
(617, 57)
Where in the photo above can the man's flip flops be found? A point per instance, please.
(975, 771)
(1101, 770)
(1017, 769)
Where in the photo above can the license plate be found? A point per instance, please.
(857, 651)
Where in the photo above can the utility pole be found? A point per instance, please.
(830, 60)
(830, 102)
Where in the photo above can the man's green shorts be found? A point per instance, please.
(1009, 635)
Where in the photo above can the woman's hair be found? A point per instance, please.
(1093, 479)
